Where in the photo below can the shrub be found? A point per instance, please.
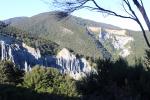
(49, 80)
(10, 74)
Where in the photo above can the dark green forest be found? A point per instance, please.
(113, 81)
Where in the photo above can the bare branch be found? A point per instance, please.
(126, 10)
(143, 12)
(81, 5)
(100, 9)
(138, 21)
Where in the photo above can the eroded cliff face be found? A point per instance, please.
(69, 63)
(19, 53)
(25, 57)
(118, 40)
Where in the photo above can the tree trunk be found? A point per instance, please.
(143, 12)
(144, 33)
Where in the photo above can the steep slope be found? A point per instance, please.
(46, 47)
(114, 43)
(69, 32)
(139, 45)
(69, 63)
(26, 57)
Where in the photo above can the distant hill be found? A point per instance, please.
(69, 32)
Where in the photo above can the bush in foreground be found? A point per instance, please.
(49, 80)
(10, 74)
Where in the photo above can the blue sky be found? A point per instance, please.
(15, 8)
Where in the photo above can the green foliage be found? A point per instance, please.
(10, 74)
(117, 81)
(114, 80)
(49, 80)
(138, 46)
(39, 84)
(47, 47)
(147, 59)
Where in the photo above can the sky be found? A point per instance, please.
(17, 8)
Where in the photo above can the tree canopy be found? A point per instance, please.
(49, 80)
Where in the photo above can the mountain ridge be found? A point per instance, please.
(71, 33)
(15, 19)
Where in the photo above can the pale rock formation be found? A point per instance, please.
(118, 37)
(25, 57)
(69, 63)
